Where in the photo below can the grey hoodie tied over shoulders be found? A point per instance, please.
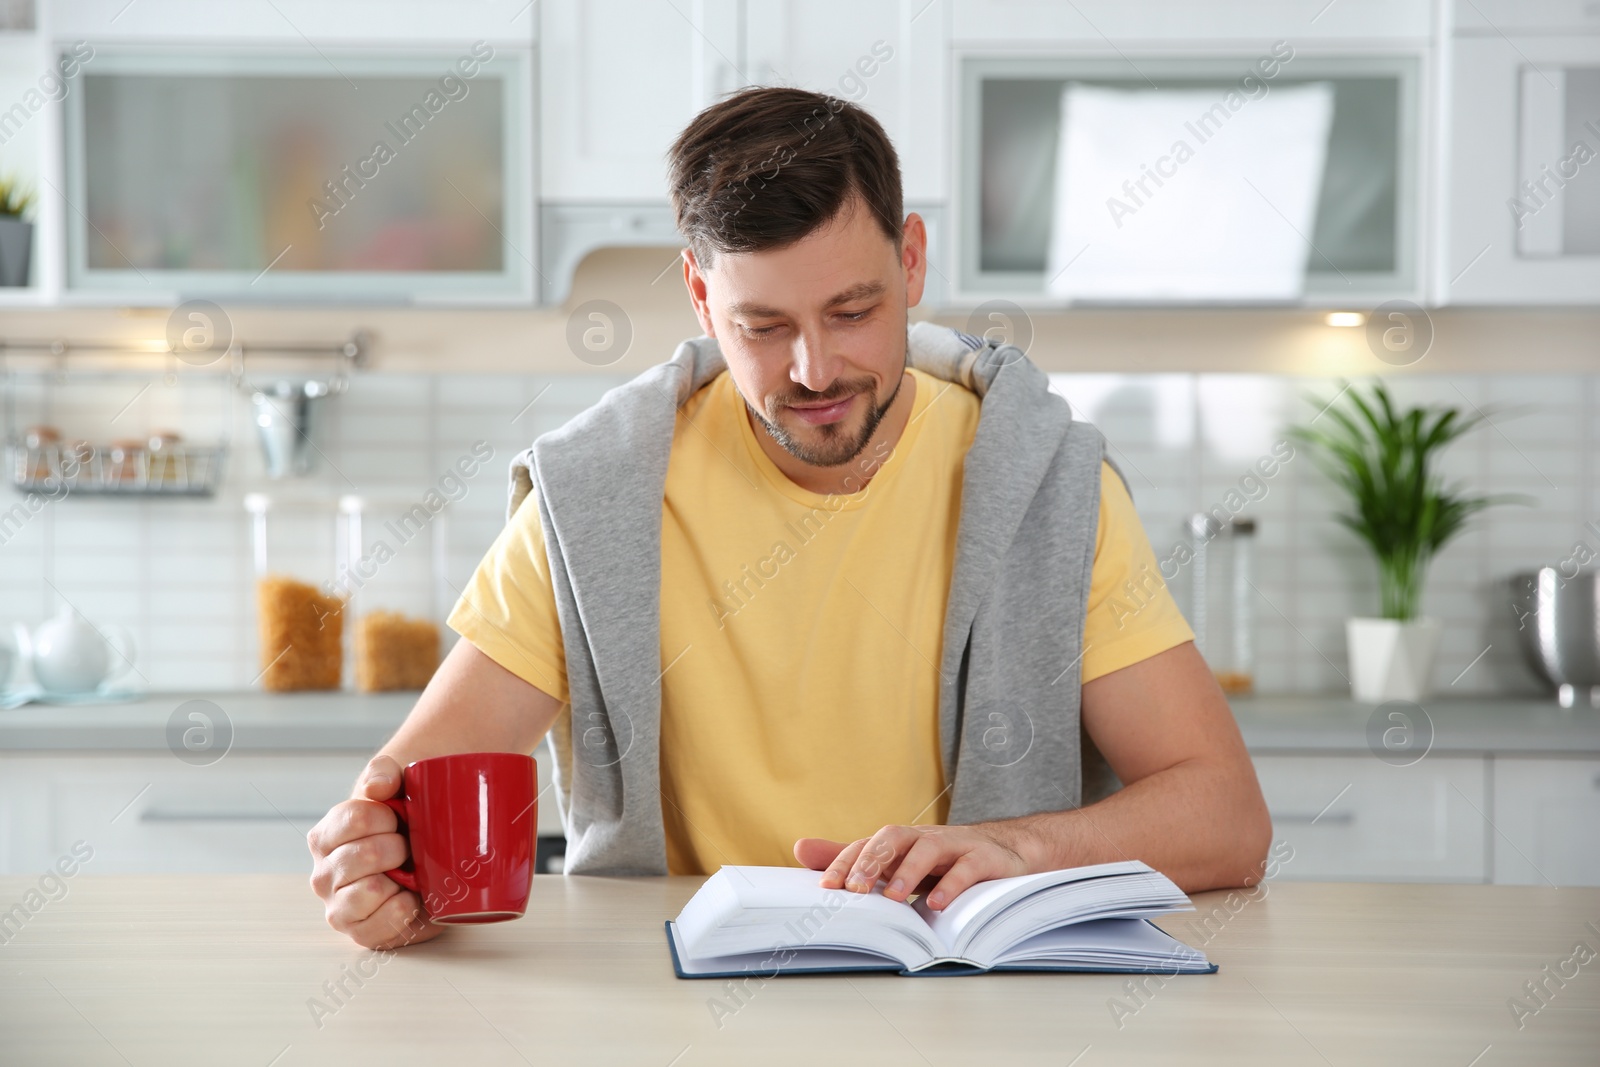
(1011, 740)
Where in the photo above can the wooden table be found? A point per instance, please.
(167, 970)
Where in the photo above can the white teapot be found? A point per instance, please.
(68, 654)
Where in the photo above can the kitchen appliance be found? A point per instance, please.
(1558, 622)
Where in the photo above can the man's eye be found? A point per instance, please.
(854, 316)
(760, 331)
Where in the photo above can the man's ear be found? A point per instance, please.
(914, 257)
(694, 279)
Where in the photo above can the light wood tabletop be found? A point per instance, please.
(237, 970)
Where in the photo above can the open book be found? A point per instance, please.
(766, 921)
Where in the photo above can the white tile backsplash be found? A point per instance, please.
(179, 574)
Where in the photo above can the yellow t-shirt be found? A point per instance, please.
(801, 632)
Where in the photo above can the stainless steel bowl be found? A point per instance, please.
(1559, 624)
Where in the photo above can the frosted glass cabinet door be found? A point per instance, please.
(1363, 239)
(281, 174)
(1525, 171)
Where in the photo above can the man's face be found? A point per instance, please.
(815, 333)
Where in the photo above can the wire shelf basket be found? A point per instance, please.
(174, 470)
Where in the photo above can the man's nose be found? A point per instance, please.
(812, 366)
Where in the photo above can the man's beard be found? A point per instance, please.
(835, 449)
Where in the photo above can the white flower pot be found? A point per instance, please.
(1390, 659)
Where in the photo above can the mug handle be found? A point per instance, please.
(407, 879)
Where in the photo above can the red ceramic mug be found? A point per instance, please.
(471, 821)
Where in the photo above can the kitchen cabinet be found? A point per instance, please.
(1354, 818)
(621, 79)
(1524, 174)
(886, 55)
(1547, 821)
(404, 175)
(356, 22)
(1366, 238)
(153, 813)
(142, 813)
(1099, 23)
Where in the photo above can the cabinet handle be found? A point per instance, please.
(1338, 818)
(157, 815)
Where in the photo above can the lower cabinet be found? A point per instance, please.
(151, 813)
(1516, 821)
(1520, 821)
(1547, 821)
(1351, 818)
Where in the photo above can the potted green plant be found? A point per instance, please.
(16, 234)
(1386, 462)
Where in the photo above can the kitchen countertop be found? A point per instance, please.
(223, 969)
(1287, 723)
(1293, 722)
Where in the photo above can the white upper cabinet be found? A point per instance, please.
(1113, 24)
(886, 55)
(1524, 175)
(620, 79)
(298, 22)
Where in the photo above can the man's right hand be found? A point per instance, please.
(351, 848)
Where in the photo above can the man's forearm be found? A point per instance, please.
(1192, 822)
(473, 705)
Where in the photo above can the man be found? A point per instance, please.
(823, 586)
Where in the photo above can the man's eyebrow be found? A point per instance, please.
(859, 291)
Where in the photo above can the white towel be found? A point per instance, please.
(1187, 194)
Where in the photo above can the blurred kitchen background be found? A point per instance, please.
(296, 281)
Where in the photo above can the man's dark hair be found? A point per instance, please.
(767, 166)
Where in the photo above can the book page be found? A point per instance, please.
(745, 909)
(1108, 942)
(986, 899)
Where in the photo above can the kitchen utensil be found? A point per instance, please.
(285, 415)
(470, 820)
(1558, 622)
(68, 654)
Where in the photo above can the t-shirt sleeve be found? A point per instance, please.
(508, 610)
(1131, 614)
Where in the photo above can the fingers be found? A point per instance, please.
(860, 865)
(348, 821)
(398, 921)
(948, 859)
(964, 873)
(834, 876)
(816, 852)
(929, 854)
(358, 901)
(381, 778)
(357, 859)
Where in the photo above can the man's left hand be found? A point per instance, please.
(950, 858)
